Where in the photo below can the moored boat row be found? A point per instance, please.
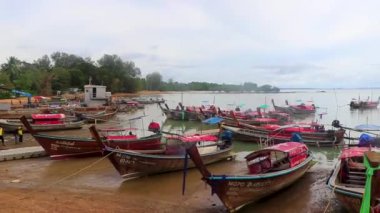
(283, 160)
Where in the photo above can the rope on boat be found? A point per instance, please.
(77, 172)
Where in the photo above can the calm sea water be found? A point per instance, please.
(310, 194)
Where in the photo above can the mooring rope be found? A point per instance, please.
(77, 172)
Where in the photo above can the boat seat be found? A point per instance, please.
(357, 182)
(280, 164)
(356, 177)
(357, 173)
(355, 165)
(260, 165)
(352, 185)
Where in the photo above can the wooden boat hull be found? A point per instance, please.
(238, 191)
(313, 139)
(98, 118)
(60, 147)
(297, 111)
(133, 164)
(364, 105)
(350, 198)
(283, 109)
(182, 115)
(12, 126)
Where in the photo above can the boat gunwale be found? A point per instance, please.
(336, 188)
(178, 157)
(262, 176)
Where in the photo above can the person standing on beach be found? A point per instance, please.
(15, 135)
(2, 135)
(20, 134)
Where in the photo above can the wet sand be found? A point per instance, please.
(43, 188)
(41, 185)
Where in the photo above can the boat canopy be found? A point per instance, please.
(292, 148)
(304, 107)
(262, 160)
(48, 116)
(213, 120)
(193, 138)
(367, 127)
(354, 152)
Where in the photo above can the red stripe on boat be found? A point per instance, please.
(47, 116)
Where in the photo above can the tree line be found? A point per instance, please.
(154, 82)
(61, 71)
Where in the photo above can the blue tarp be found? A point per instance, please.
(368, 140)
(213, 120)
(296, 137)
(367, 127)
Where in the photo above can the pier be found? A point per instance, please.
(22, 153)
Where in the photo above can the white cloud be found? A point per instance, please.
(219, 41)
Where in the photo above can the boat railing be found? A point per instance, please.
(266, 142)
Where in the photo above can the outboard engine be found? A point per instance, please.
(154, 127)
(226, 137)
(336, 124)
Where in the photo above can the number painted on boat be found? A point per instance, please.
(63, 145)
(238, 185)
(124, 161)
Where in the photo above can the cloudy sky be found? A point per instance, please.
(291, 43)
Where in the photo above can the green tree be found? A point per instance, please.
(43, 63)
(249, 86)
(65, 60)
(12, 68)
(61, 79)
(153, 81)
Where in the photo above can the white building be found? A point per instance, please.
(96, 95)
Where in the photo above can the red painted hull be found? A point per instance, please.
(326, 138)
(60, 147)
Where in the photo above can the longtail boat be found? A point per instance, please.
(269, 170)
(358, 104)
(311, 134)
(254, 117)
(299, 109)
(133, 164)
(63, 146)
(182, 113)
(283, 109)
(44, 122)
(97, 117)
(349, 177)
